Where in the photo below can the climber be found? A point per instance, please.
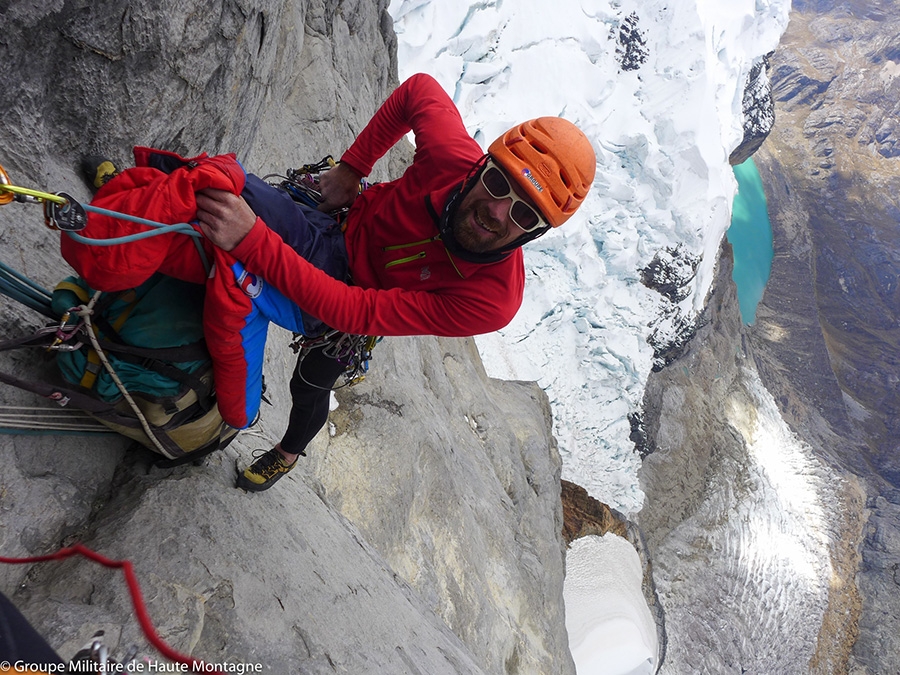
(435, 252)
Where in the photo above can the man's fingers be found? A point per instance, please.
(224, 217)
(205, 229)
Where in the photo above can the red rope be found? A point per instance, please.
(137, 599)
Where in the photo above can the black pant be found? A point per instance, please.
(19, 641)
(311, 386)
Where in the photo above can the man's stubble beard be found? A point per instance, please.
(460, 225)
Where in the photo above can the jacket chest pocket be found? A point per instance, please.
(405, 260)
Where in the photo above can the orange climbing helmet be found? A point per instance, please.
(553, 163)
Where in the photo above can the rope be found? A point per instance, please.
(29, 420)
(40, 195)
(25, 280)
(85, 313)
(19, 287)
(137, 600)
(184, 228)
(160, 229)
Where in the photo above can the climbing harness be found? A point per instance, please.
(95, 648)
(353, 351)
(302, 184)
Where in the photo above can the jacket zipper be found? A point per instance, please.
(420, 254)
(417, 256)
(397, 247)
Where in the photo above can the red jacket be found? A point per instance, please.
(405, 282)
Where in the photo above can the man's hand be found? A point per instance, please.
(339, 186)
(224, 218)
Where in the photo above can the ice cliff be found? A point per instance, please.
(424, 533)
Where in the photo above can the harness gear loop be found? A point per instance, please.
(353, 351)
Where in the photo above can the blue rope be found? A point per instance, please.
(24, 290)
(21, 277)
(159, 229)
(143, 221)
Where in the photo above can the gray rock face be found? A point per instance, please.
(825, 346)
(830, 173)
(423, 536)
(749, 526)
(456, 480)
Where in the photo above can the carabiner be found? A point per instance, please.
(5, 195)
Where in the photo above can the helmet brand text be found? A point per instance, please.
(531, 179)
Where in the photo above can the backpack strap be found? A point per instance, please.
(92, 367)
(157, 361)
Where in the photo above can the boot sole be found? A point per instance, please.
(245, 484)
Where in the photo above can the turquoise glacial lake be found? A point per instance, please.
(750, 235)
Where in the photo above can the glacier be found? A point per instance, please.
(657, 86)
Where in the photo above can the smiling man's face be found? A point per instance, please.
(482, 223)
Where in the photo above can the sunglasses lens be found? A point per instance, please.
(497, 185)
(495, 182)
(525, 216)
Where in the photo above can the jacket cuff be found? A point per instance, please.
(244, 250)
(353, 163)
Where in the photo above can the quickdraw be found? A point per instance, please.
(302, 184)
(64, 213)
